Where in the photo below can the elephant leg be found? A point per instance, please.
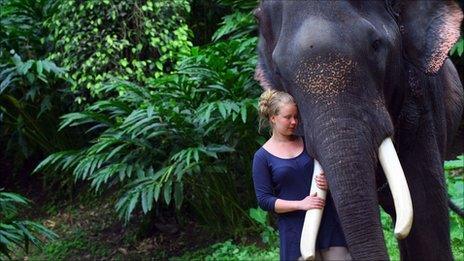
(429, 238)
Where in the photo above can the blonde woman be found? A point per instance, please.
(282, 174)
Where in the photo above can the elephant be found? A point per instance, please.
(361, 72)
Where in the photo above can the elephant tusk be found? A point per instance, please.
(399, 188)
(312, 220)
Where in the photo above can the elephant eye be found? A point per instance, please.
(376, 44)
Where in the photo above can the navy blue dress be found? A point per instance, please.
(290, 179)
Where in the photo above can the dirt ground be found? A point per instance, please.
(90, 231)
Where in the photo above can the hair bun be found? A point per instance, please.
(269, 105)
(265, 102)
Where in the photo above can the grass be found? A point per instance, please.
(83, 233)
(67, 247)
(230, 251)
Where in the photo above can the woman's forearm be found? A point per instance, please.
(284, 206)
(309, 202)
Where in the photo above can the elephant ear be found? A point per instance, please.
(429, 29)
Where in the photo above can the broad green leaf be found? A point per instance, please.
(243, 112)
(167, 192)
(132, 203)
(178, 194)
(455, 164)
(144, 201)
(150, 196)
(258, 215)
(222, 109)
(157, 191)
(23, 69)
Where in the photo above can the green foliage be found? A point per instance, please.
(236, 25)
(22, 27)
(30, 106)
(454, 180)
(458, 48)
(132, 40)
(229, 251)
(239, 5)
(458, 163)
(31, 70)
(182, 129)
(389, 236)
(457, 237)
(454, 170)
(59, 249)
(268, 235)
(33, 92)
(455, 190)
(14, 232)
(64, 248)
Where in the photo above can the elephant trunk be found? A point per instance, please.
(398, 186)
(347, 152)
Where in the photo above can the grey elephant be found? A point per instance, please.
(363, 72)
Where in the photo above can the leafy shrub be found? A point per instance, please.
(455, 181)
(23, 30)
(454, 171)
(14, 232)
(268, 235)
(195, 128)
(457, 237)
(30, 107)
(240, 5)
(235, 26)
(132, 40)
(33, 94)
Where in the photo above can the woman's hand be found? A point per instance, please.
(321, 181)
(311, 202)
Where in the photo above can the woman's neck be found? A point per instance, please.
(283, 138)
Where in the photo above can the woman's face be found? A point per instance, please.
(286, 121)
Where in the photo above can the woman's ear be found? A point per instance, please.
(429, 30)
(272, 119)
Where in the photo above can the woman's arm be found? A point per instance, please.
(262, 181)
(309, 202)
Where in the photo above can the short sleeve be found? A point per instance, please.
(262, 180)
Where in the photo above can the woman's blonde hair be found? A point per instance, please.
(269, 105)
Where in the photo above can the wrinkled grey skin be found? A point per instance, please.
(362, 71)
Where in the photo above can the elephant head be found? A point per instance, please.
(361, 72)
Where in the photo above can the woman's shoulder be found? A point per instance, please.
(260, 153)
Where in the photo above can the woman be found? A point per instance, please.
(282, 174)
